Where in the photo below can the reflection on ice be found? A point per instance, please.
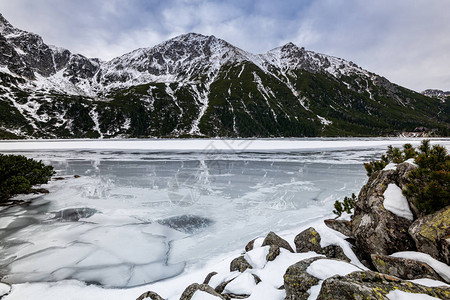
(134, 217)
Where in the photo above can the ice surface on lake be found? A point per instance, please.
(140, 214)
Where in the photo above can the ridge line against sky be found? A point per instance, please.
(406, 41)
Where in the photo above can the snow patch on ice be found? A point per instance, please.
(200, 295)
(396, 203)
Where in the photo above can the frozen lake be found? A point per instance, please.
(145, 210)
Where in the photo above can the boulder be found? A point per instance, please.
(240, 264)
(343, 226)
(334, 251)
(431, 234)
(308, 240)
(150, 295)
(373, 285)
(403, 268)
(250, 245)
(297, 281)
(375, 229)
(274, 251)
(273, 239)
(190, 291)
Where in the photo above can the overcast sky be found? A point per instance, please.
(407, 41)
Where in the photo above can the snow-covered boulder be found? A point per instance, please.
(373, 285)
(303, 280)
(403, 268)
(309, 240)
(273, 239)
(376, 229)
(432, 234)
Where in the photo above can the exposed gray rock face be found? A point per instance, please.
(431, 234)
(309, 240)
(343, 226)
(373, 285)
(250, 245)
(190, 291)
(274, 251)
(240, 264)
(273, 239)
(150, 295)
(375, 229)
(403, 268)
(297, 281)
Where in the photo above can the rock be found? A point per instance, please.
(297, 281)
(308, 240)
(257, 279)
(274, 251)
(219, 289)
(432, 234)
(39, 191)
(150, 295)
(58, 178)
(375, 229)
(343, 226)
(240, 264)
(190, 291)
(334, 251)
(403, 268)
(273, 239)
(249, 246)
(373, 285)
(76, 176)
(208, 277)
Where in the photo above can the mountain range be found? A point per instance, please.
(200, 86)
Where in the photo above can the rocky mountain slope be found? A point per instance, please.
(196, 85)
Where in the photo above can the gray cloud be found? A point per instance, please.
(405, 41)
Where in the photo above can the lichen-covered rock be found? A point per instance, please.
(190, 291)
(308, 240)
(240, 264)
(273, 239)
(375, 229)
(150, 295)
(373, 285)
(208, 277)
(274, 251)
(297, 281)
(343, 226)
(403, 268)
(431, 234)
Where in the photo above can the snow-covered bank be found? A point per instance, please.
(212, 145)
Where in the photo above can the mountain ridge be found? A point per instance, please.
(197, 85)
